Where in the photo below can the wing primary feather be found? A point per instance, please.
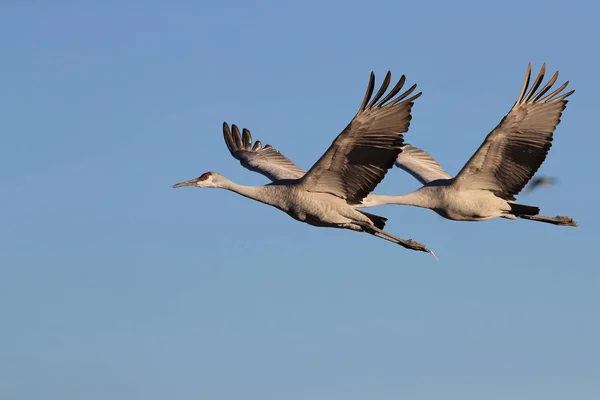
(393, 92)
(545, 89)
(557, 91)
(525, 84)
(369, 91)
(266, 161)
(236, 137)
(564, 96)
(514, 151)
(360, 157)
(536, 84)
(409, 91)
(382, 89)
(228, 140)
(246, 138)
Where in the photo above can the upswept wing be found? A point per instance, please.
(361, 155)
(420, 165)
(264, 160)
(513, 152)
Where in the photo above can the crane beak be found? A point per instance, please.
(191, 182)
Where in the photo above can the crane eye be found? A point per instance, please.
(204, 176)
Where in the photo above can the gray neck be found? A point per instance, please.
(257, 193)
(416, 199)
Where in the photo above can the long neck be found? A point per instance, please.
(257, 193)
(417, 199)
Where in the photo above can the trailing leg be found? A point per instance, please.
(408, 244)
(558, 220)
(532, 213)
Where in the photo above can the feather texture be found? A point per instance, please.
(513, 152)
(360, 156)
(264, 160)
(420, 165)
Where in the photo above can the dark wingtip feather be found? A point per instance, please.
(550, 97)
(545, 89)
(246, 138)
(405, 94)
(237, 138)
(536, 83)
(525, 84)
(228, 138)
(568, 93)
(393, 92)
(382, 88)
(369, 91)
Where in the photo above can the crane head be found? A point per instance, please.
(207, 179)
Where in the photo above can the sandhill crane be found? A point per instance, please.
(540, 181)
(351, 168)
(486, 186)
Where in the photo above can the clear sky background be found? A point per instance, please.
(113, 285)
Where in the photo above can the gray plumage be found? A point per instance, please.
(486, 186)
(355, 163)
(420, 165)
(512, 153)
(265, 160)
(361, 155)
(508, 158)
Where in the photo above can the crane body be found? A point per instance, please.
(355, 163)
(487, 185)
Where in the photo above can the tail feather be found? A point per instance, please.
(519, 210)
(378, 221)
(532, 213)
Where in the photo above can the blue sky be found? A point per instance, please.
(114, 285)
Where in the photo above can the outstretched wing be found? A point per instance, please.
(513, 152)
(264, 160)
(420, 165)
(361, 155)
